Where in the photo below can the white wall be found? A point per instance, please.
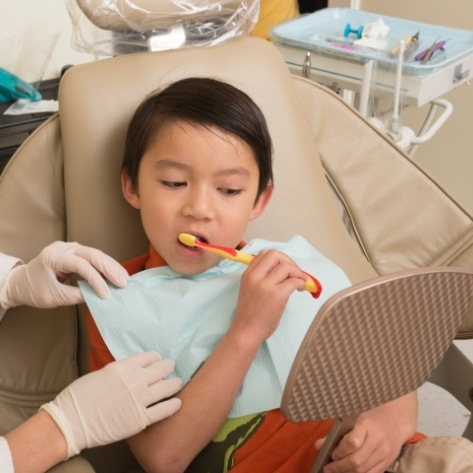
(31, 21)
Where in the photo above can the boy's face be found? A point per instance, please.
(200, 181)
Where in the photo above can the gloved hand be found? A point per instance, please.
(38, 283)
(115, 402)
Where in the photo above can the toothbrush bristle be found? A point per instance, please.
(187, 239)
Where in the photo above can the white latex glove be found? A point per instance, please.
(115, 402)
(37, 283)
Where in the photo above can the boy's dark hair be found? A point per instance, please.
(201, 101)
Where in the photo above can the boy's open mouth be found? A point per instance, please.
(198, 238)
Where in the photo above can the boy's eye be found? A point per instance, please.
(227, 191)
(173, 184)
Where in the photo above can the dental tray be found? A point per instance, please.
(322, 32)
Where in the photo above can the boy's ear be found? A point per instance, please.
(131, 194)
(262, 202)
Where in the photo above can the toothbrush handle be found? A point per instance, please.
(312, 284)
(244, 258)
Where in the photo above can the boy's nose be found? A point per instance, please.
(199, 206)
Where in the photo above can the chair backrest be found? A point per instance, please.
(403, 218)
(63, 183)
(399, 215)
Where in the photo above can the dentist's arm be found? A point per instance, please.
(6, 265)
(102, 407)
(40, 283)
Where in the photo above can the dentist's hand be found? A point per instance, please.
(115, 402)
(38, 283)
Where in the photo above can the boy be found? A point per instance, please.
(198, 160)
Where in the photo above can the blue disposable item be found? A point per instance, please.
(184, 317)
(14, 88)
(358, 32)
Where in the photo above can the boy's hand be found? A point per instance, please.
(265, 289)
(373, 444)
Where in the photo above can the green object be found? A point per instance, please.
(13, 88)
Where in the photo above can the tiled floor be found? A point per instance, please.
(439, 412)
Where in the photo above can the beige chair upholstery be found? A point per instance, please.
(63, 184)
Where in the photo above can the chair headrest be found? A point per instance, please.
(159, 24)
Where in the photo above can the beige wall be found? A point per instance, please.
(449, 155)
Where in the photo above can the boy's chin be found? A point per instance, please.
(190, 269)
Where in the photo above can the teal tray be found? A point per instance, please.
(322, 32)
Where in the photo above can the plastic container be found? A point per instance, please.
(322, 32)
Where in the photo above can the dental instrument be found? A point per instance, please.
(425, 55)
(395, 127)
(411, 43)
(306, 66)
(312, 284)
(365, 88)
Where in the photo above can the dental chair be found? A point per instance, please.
(339, 182)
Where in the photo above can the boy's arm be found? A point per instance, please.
(377, 437)
(206, 400)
